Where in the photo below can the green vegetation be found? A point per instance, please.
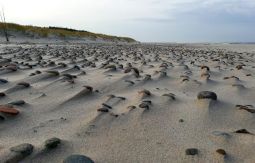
(60, 32)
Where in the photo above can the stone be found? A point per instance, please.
(3, 81)
(181, 120)
(8, 110)
(221, 151)
(18, 102)
(53, 73)
(25, 84)
(207, 95)
(144, 105)
(191, 151)
(78, 159)
(106, 106)
(242, 131)
(52, 143)
(2, 94)
(105, 110)
(2, 118)
(23, 149)
(239, 67)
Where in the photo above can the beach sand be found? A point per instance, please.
(127, 103)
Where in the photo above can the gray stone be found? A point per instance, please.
(18, 102)
(24, 149)
(78, 159)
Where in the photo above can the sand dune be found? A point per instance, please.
(109, 103)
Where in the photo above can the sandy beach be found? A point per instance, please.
(130, 103)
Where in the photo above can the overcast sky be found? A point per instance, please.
(144, 20)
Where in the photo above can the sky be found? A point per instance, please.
(143, 20)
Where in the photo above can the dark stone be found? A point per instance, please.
(3, 81)
(103, 110)
(242, 131)
(122, 98)
(221, 151)
(144, 105)
(53, 73)
(25, 84)
(207, 95)
(38, 72)
(191, 151)
(78, 159)
(2, 118)
(106, 105)
(181, 120)
(2, 94)
(52, 143)
(23, 149)
(238, 67)
(18, 102)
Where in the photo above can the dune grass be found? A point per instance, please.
(61, 32)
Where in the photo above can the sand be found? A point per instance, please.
(128, 103)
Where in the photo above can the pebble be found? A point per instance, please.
(221, 151)
(242, 131)
(103, 110)
(25, 84)
(78, 159)
(52, 143)
(207, 95)
(23, 149)
(18, 102)
(2, 118)
(191, 151)
(8, 110)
